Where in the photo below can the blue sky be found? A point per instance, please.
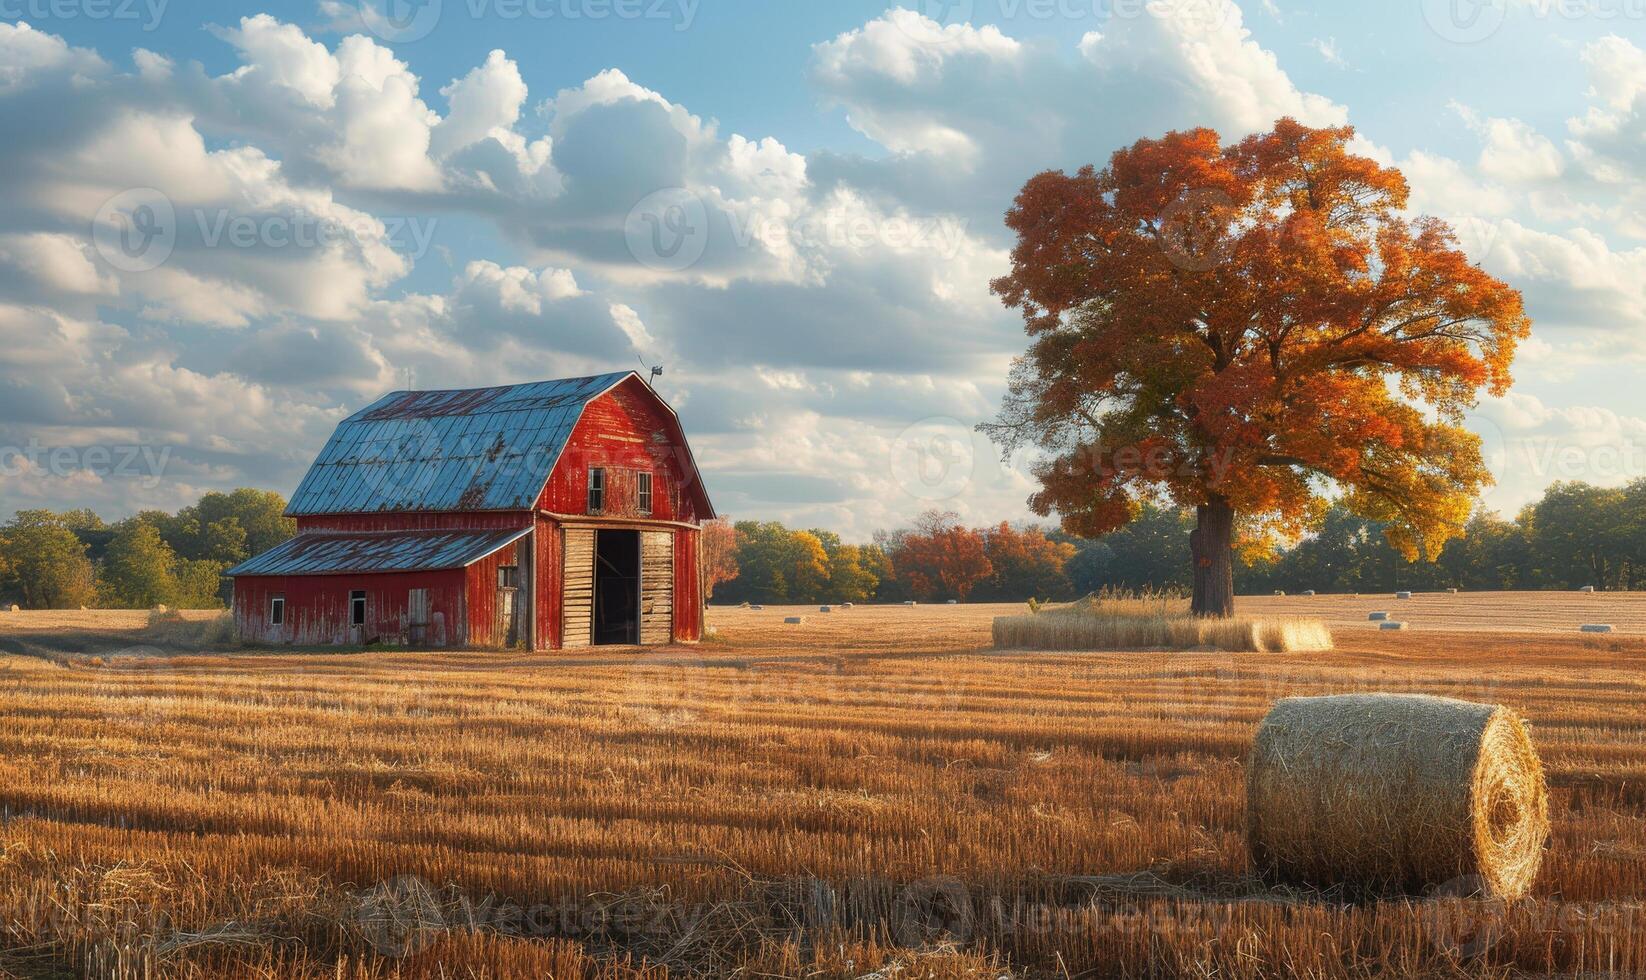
(484, 176)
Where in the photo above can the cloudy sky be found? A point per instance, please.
(224, 226)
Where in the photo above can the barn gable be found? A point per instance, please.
(484, 449)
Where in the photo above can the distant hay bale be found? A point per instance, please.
(845, 605)
(908, 602)
(1390, 625)
(1587, 588)
(794, 619)
(1396, 791)
(1280, 592)
(1451, 591)
(1123, 622)
(827, 609)
(1309, 592)
(159, 607)
(1403, 595)
(1596, 628)
(1377, 617)
(952, 602)
(757, 608)
(13, 607)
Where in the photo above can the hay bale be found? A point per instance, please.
(1403, 595)
(845, 605)
(1587, 588)
(1451, 592)
(952, 602)
(160, 607)
(15, 608)
(1391, 626)
(1596, 628)
(827, 609)
(1280, 592)
(908, 602)
(1377, 617)
(757, 608)
(1396, 791)
(1309, 592)
(794, 619)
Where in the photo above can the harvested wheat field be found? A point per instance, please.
(874, 792)
(1481, 612)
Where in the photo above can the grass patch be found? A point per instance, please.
(1153, 621)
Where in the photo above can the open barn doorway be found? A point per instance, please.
(617, 587)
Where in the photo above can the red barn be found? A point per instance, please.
(545, 515)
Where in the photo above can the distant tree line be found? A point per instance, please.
(1576, 535)
(68, 559)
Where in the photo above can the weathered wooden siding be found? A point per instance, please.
(317, 608)
(577, 578)
(688, 587)
(424, 521)
(656, 586)
(625, 432)
(481, 583)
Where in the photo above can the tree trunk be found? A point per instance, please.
(1211, 544)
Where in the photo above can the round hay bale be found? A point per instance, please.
(827, 609)
(1587, 588)
(1391, 625)
(794, 619)
(1377, 617)
(1403, 595)
(1596, 628)
(1396, 791)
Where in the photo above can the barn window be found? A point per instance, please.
(357, 607)
(277, 609)
(508, 576)
(644, 492)
(597, 489)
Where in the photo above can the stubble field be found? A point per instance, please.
(872, 792)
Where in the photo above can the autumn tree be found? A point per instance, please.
(719, 554)
(1026, 564)
(1251, 331)
(939, 558)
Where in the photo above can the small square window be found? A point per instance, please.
(644, 493)
(508, 576)
(357, 607)
(597, 489)
(277, 610)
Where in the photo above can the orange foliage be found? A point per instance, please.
(940, 559)
(1248, 327)
(719, 554)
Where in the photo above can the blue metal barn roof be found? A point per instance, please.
(475, 449)
(320, 553)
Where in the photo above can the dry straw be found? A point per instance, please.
(1379, 792)
(1125, 621)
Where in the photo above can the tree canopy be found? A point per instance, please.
(1252, 331)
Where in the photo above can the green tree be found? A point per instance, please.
(139, 568)
(45, 563)
(1575, 531)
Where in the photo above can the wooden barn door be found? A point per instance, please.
(656, 587)
(577, 588)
